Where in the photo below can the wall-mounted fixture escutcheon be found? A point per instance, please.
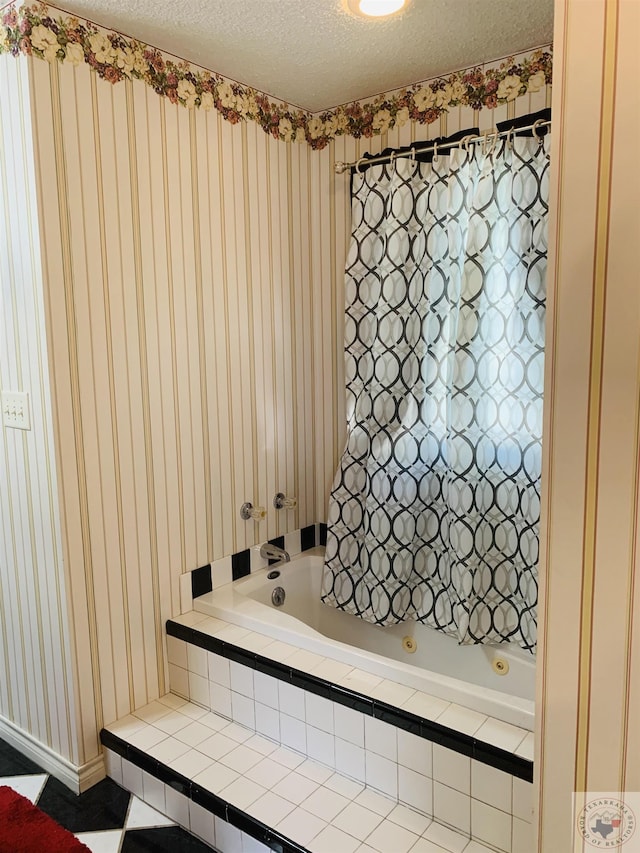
(15, 409)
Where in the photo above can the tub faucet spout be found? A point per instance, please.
(273, 552)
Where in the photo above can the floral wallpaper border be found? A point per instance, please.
(55, 36)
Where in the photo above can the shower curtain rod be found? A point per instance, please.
(465, 142)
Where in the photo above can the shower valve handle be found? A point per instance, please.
(281, 501)
(248, 510)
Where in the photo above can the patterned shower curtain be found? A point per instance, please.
(435, 507)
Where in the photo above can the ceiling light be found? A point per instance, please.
(376, 8)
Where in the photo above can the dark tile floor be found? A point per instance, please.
(106, 818)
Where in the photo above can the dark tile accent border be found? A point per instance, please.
(450, 738)
(240, 564)
(213, 803)
(323, 534)
(201, 582)
(308, 537)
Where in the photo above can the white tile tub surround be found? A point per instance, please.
(279, 701)
(221, 570)
(452, 769)
(241, 679)
(197, 661)
(265, 690)
(499, 810)
(381, 738)
(186, 595)
(467, 796)
(342, 649)
(452, 808)
(303, 800)
(494, 787)
(464, 795)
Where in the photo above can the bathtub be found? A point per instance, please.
(439, 666)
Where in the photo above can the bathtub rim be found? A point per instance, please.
(230, 605)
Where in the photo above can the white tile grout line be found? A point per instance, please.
(321, 799)
(417, 702)
(242, 671)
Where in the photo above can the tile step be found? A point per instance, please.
(240, 791)
(192, 636)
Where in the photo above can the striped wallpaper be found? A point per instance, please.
(193, 280)
(36, 658)
(191, 352)
(193, 304)
(589, 678)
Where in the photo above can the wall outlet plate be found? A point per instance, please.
(15, 409)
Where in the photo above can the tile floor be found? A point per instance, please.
(302, 799)
(106, 818)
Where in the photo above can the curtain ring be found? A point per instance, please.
(510, 137)
(488, 149)
(358, 172)
(534, 129)
(412, 157)
(435, 152)
(392, 158)
(466, 141)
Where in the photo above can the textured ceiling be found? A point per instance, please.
(314, 54)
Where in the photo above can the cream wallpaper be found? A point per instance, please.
(192, 274)
(589, 660)
(191, 352)
(193, 296)
(37, 693)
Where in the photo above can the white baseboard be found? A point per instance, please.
(90, 773)
(76, 777)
